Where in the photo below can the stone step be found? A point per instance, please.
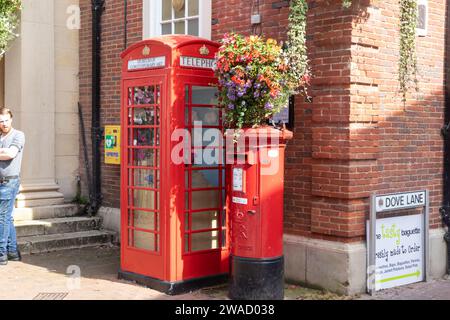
(46, 212)
(55, 242)
(25, 228)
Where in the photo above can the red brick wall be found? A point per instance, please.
(411, 145)
(356, 137)
(234, 16)
(112, 45)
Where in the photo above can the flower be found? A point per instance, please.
(254, 81)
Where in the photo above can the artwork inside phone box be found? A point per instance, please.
(173, 222)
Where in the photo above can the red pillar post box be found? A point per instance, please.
(255, 189)
(173, 222)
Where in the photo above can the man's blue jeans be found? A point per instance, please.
(8, 193)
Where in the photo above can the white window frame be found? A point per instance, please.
(152, 18)
(422, 32)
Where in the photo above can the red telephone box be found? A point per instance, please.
(173, 222)
(255, 188)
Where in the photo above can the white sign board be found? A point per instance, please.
(196, 62)
(239, 200)
(237, 179)
(148, 63)
(399, 251)
(397, 246)
(400, 201)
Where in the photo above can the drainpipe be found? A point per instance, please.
(125, 24)
(445, 209)
(97, 134)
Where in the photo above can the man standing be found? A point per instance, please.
(12, 142)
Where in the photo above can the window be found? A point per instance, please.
(191, 17)
(422, 18)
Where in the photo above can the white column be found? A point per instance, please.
(30, 93)
(2, 81)
(66, 96)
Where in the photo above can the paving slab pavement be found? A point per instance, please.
(437, 289)
(91, 274)
(54, 275)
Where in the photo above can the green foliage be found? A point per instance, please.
(79, 199)
(408, 57)
(346, 3)
(9, 19)
(296, 51)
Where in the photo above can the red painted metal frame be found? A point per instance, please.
(210, 259)
(132, 258)
(170, 263)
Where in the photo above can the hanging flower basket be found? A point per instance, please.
(254, 81)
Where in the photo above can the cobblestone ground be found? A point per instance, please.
(55, 276)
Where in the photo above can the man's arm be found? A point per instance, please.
(14, 148)
(8, 153)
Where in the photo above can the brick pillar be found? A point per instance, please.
(344, 122)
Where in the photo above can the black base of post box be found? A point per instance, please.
(256, 279)
(173, 288)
